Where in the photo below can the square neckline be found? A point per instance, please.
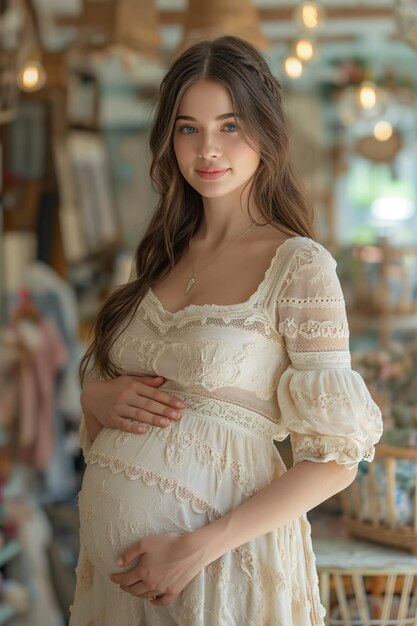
(222, 307)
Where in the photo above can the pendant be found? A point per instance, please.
(191, 284)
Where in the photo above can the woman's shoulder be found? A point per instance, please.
(307, 267)
(307, 250)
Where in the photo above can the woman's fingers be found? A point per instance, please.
(139, 589)
(129, 426)
(135, 420)
(142, 404)
(144, 410)
(152, 407)
(157, 409)
(157, 395)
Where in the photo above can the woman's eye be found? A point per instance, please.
(184, 130)
(190, 130)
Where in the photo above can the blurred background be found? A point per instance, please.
(78, 81)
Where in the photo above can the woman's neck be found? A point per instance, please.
(225, 220)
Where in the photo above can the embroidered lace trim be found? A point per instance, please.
(210, 363)
(311, 329)
(202, 363)
(305, 260)
(151, 479)
(317, 302)
(349, 452)
(324, 401)
(178, 442)
(255, 322)
(265, 582)
(225, 412)
(249, 563)
(162, 322)
(310, 309)
(320, 360)
(148, 350)
(257, 296)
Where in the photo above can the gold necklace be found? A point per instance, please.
(192, 281)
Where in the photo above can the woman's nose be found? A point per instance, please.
(209, 149)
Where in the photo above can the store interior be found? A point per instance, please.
(78, 83)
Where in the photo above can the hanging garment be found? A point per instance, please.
(43, 355)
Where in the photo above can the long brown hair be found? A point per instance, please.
(257, 100)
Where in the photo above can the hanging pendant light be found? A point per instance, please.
(366, 101)
(310, 16)
(305, 49)
(383, 130)
(372, 100)
(216, 18)
(293, 67)
(32, 75)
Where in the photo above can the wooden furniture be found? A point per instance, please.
(365, 585)
(373, 530)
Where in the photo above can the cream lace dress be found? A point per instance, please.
(250, 373)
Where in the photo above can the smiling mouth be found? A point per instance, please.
(212, 174)
(212, 171)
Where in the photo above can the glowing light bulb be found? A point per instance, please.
(305, 49)
(367, 95)
(310, 16)
(293, 67)
(32, 76)
(383, 130)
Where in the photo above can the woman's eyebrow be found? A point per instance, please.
(224, 116)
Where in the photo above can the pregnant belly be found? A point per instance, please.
(170, 480)
(116, 511)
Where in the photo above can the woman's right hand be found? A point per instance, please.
(130, 403)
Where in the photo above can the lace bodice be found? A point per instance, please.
(283, 352)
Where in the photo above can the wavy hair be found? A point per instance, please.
(257, 99)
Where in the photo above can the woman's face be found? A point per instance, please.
(211, 153)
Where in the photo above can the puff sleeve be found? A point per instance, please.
(325, 405)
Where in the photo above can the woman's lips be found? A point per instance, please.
(211, 175)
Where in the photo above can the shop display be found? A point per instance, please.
(76, 198)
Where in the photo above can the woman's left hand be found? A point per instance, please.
(167, 563)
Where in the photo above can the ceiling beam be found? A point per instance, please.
(320, 39)
(285, 14)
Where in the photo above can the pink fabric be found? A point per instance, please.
(38, 367)
(50, 358)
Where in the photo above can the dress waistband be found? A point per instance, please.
(224, 411)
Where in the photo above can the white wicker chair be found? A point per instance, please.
(362, 584)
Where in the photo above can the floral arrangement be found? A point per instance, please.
(391, 376)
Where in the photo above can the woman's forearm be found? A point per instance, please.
(297, 491)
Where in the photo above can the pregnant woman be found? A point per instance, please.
(232, 328)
